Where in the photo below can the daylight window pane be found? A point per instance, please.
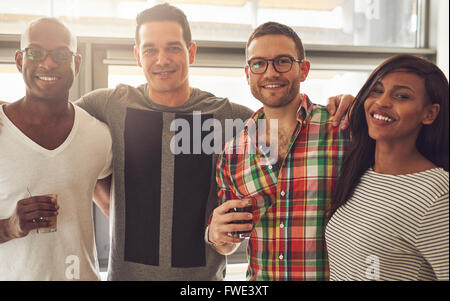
(12, 83)
(330, 22)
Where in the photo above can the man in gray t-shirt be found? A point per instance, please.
(163, 181)
(163, 194)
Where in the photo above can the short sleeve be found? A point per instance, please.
(107, 168)
(95, 103)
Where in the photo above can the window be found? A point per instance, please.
(130, 75)
(330, 22)
(12, 81)
(322, 84)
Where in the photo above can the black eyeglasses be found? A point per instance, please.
(59, 55)
(281, 64)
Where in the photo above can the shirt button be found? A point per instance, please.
(281, 225)
(270, 167)
(281, 257)
(283, 193)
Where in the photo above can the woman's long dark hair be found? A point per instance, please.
(432, 142)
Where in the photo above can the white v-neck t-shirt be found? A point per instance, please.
(70, 171)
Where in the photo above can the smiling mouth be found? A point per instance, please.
(47, 78)
(273, 86)
(164, 73)
(384, 118)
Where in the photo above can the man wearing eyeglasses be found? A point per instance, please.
(290, 194)
(52, 154)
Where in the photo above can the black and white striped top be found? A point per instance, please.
(392, 228)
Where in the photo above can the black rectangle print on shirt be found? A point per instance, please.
(192, 179)
(142, 138)
(192, 183)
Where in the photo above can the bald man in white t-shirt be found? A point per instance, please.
(52, 156)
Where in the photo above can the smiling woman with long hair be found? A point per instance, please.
(390, 215)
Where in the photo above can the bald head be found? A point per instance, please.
(49, 63)
(49, 29)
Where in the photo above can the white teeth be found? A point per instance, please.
(272, 86)
(384, 118)
(164, 72)
(47, 78)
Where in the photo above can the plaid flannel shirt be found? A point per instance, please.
(290, 200)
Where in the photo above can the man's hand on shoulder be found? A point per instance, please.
(338, 106)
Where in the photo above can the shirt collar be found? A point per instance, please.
(305, 109)
(303, 112)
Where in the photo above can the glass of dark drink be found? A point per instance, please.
(242, 234)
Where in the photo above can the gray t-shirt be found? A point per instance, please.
(164, 187)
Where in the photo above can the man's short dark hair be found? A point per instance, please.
(275, 28)
(164, 12)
